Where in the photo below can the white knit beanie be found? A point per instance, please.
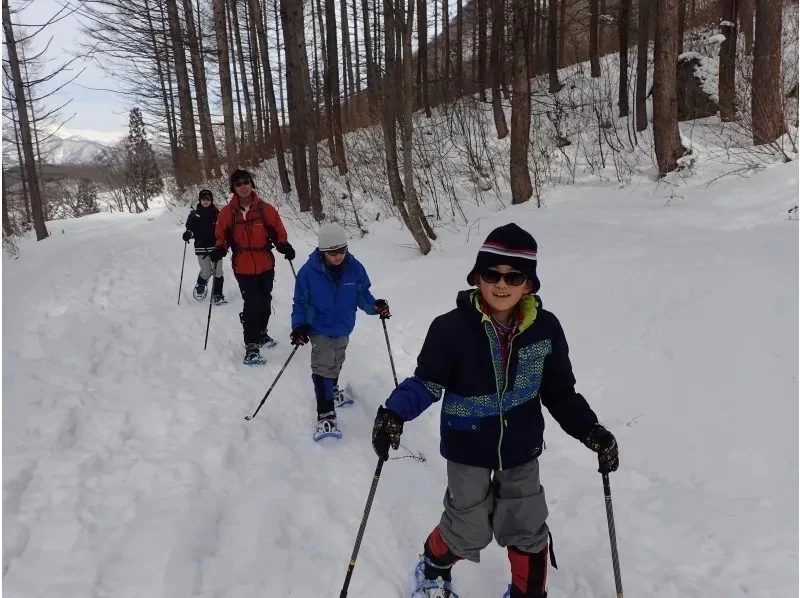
(331, 236)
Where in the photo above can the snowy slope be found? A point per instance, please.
(128, 470)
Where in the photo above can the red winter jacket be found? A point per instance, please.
(249, 235)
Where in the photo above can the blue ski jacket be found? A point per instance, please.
(328, 303)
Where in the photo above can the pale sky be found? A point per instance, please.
(99, 115)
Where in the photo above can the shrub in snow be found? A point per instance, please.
(697, 87)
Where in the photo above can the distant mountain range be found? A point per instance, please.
(71, 150)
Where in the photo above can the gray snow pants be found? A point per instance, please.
(509, 505)
(327, 355)
(207, 267)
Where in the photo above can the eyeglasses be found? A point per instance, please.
(335, 252)
(243, 182)
(513, 279)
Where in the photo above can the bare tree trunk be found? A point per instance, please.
(275, 128)
(210, 157)
(369, 56)
(594, 36)
(666, 135)
(248, 129)
(278, 53)
(347, 53)
(415, 216)
(225, 83)
(298, 90)
(252, 50)
(562, 33)
(422, 33)
(184, 94)
(746, 8)
(767, 107)
(496, 69)
(521, 188)
(459, 47)
(727, 63)
(24, 126)
(20, 159)
(389, 84)
(681, 25)
(641, 64)
(482, 27)
(552, 46)
(446, 32)
(178, 155)
(332, 85)
(7, 229)
(244, 154)
(624, 25)
(355, 46)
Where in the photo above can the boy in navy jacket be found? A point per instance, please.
(200, 225)
(329, 288)
(493, 361)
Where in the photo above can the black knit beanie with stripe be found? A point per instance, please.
(508, 245)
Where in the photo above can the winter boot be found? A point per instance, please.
(216, 291)
(252, 355)
(266, 340)
(424, 587)
(200, 289)
(528, 573)
(326, 426)
(339, 400)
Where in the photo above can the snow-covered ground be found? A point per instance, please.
(129, 471)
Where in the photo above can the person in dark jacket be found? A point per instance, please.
(493, 362)
(329, 288)
(250, 227)
(200, 226)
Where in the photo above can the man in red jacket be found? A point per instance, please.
(250, 227)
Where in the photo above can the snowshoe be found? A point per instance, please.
(326, 427)
(267, 341)
(430, 588)
(339, 399)
(252, 356)
(219, 299)
(200, 291)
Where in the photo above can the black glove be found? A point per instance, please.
(602, 442)
(217, 254)
(386, 432)
(382, 309)
(186, 236)
(287, 250)
(300, 334)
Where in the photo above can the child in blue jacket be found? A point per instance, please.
(329, 288)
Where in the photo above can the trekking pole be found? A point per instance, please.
(375, 479)
(208, 323)
(183, 265)
(293, 272)
(389, 348)
(278, 377)
(612, 534)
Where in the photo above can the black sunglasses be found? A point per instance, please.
(205, 197)
(513, 279)
(334, 252)
(243, 182)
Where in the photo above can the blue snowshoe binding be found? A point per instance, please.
(326, 427)
(252, 355)
(430, 588)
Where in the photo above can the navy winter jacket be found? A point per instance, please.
(201, 223)
(492, 417)
(326, 303)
